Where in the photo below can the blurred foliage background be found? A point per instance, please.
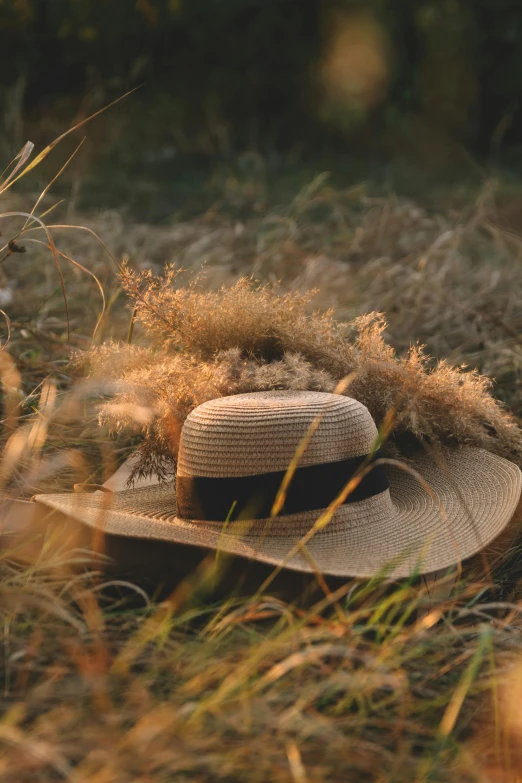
(399, 91)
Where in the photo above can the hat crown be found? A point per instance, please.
(259, 432)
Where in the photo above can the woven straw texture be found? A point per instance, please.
(464, 499)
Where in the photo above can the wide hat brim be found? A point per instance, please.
(451, 507)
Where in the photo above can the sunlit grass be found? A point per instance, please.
(131, 689)
(106, 680)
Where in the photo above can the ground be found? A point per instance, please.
(104, 683)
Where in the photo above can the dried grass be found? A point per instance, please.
(248, 337)
(256, 689)
(367, 684)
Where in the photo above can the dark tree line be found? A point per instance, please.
(252, 63)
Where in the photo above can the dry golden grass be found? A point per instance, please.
(257, 690)
(103, 684)
(253, 338)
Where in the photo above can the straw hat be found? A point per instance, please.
(346, 511)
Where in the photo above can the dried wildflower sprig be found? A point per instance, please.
(246, 337)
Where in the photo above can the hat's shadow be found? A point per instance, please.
(162, 569)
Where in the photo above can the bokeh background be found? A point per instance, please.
(414, 95)
(367, 154)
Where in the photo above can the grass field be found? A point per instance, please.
(106, 683)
